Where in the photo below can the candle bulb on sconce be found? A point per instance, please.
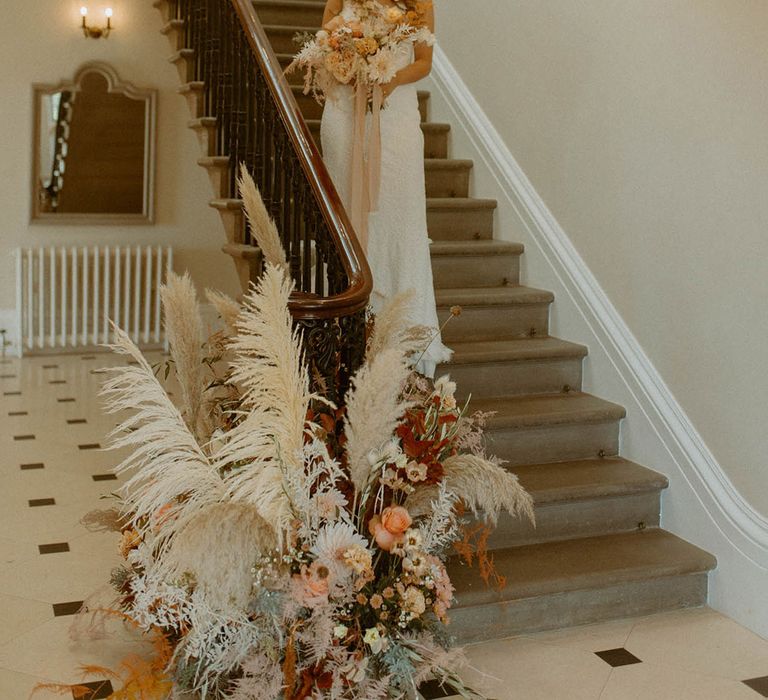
(96, 32)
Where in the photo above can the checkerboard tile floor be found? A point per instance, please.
(54, 470)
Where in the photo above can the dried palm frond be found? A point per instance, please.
(218, 547)
(268, 365)
(483, 485)
(165, 458)
(226, 307)
(184, 327)
(374, 409)
(262, 226)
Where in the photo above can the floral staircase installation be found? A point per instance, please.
(597, 550)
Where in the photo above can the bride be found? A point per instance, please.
(398, 243)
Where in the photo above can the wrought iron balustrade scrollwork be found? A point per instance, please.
(258, 124)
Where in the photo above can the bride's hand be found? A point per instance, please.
(387, 89)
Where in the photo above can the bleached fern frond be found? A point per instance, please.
(268, 366)
(219, 546)
(226, 307)
(165, 459)
(184, 327)
(440, 530)
(374, 409)
(487, 487)
(262, 226)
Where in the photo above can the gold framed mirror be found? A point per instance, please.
(94, 150)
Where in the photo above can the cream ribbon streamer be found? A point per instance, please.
(365, 172)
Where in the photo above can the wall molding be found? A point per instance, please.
(744, 528)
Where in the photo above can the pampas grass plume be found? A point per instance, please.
(262, 226)
(184, 327)
(374, 409)
(226, 307)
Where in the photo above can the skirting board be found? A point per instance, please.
(702, 505)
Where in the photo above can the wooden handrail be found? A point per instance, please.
(344, 239)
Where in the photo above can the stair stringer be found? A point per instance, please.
(701, 505)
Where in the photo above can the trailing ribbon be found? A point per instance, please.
(365, 172)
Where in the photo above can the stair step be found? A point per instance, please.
(583, 498)
(281, 36)
(184, 60)
(217, 168)
(447, 177)
(546, 428)
(460, 218)
(481, 263)
(205, 129)
(558, 584)
(492, 313)
(194, 92)
(515, 367)
(435, 137)
(294, 12)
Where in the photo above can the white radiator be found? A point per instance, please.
(65, 297)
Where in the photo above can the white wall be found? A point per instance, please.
(643, 127)
(639, 129)
(41, 43)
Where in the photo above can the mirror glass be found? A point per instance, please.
(94, 150)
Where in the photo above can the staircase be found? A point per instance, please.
(598, 551)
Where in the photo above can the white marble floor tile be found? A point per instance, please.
(525, 668)
(648, 681)
(701, 642)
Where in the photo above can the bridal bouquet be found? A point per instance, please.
(277, 546)
(363, 50)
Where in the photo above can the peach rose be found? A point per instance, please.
(388, 528)
(396, 519)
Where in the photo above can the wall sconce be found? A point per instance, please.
(96, 32)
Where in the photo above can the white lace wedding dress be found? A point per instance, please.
(398, 244)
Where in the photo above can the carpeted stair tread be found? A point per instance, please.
(514, 350)
(543, 410)
(593, 562)
(480, 247)
(587, 479)
(492, 296)
(460, 203)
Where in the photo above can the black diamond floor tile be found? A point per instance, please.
(99, 690)
(37, 502)
(431, 690)
(63, 609)
(618, 657)
(23, 437)
(32, 465)
(104, 477)
(55, 548)
(90, 446)
(18, 413)
(759, 685)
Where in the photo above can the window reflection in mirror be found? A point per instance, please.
(94, 150)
